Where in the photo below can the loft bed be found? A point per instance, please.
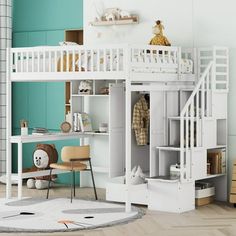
(154, 63)
(137, 64)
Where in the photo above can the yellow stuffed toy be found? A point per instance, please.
(159, 38)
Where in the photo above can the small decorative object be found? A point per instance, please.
(137, 176)
(103, 128)
(124, 14)
(40, 131)
(85, 122)
(104, 90)
(85, 87)
(114, 16)
(24, 127)
(159, 38)
(175, 171)
(65, 127)
(43, 156)
(111, 14)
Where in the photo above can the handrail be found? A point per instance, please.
(196, 89)
(196, 108)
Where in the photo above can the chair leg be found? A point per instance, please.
(74, 181)
(71, 186)
(94, 187)
(49, 182)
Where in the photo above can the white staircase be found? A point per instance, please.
(192, 117)
(200, 127)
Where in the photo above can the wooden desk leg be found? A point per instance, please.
(19, 170)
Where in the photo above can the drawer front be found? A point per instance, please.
(117, 192)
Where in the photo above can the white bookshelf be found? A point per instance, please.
(107, 149)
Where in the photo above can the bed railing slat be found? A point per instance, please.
(80, 59)
(73, 61)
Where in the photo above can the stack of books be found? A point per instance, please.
(217, 162)
(40, 131)
(82, 122)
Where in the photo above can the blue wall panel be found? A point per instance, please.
(37, 23)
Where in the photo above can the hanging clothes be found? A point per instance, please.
(140, 122)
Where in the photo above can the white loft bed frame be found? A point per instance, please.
(138, 65)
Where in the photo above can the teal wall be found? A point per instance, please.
(42, 104)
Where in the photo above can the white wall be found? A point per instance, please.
(178, 24)
(187, 22)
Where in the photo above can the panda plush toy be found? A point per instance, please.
(43, 156)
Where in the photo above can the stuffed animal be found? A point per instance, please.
(159, 38)
(85, 87)
(111, 14)
(137, 176)
(124, 14)
(43, 156)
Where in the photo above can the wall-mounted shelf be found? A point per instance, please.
(90, 95)
(126, 21)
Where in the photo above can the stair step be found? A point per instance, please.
(175, 148)
(178, 118)
(169, 148)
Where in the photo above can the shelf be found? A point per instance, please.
(92, 95)
(94, 133)
(217, 147)
(169, 148)
(213, 176)
(178, 118)
(176, 148)
(127, 21)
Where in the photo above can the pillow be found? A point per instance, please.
(66, 43)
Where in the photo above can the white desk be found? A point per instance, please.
(20, 140)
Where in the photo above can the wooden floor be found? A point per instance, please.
(212, 220)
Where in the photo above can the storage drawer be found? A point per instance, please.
(206, 192)
(170, 196)
(204, 196)
(116, 191)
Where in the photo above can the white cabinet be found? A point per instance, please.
(117, 130)
(170, 196)
(107, 149)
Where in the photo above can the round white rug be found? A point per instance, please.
(39, 215)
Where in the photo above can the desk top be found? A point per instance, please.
(34, 138)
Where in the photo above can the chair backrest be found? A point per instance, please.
(75, 152)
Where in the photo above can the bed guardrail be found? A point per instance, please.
(98, 62)
(149, 56)
(68, 59)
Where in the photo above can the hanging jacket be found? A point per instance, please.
(140, 122)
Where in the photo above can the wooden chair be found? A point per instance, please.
(73, 158)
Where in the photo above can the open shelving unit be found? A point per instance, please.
(107, 149)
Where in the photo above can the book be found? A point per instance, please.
(217, 161)
(214, 159)
(85, 122)
(223, 159)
